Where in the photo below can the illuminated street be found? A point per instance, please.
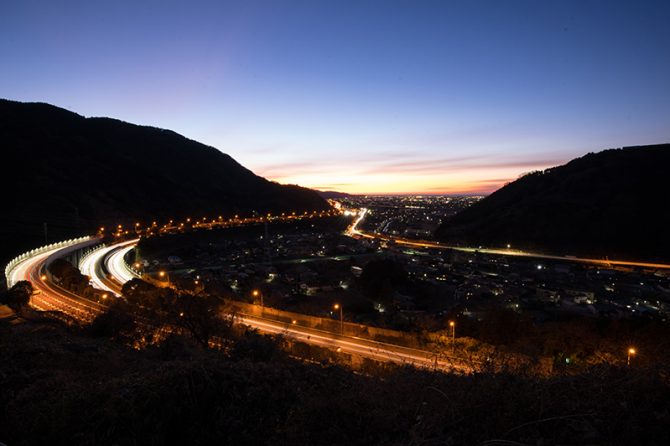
(363, 347)
(355, 232)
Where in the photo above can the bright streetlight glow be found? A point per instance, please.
(257, 293)
(339, 307)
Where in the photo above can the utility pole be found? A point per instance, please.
(267, 245)
(339, 307)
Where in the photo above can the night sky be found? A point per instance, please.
(358, 96)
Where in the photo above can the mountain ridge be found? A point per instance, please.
(75, 173)
(608, 203)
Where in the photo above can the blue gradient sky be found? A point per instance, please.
(368, 97)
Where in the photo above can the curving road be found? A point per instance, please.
(380, 351)
(108, 272)
(50, 297)
(88, 266)
(119, 274)
(353, 231)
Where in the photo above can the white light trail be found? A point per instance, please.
(89, 263)
(117, 266)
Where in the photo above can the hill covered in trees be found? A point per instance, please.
(76, 173)
(612, 203)
(81, 387)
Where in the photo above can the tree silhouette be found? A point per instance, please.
(18, 296)
(116, 323)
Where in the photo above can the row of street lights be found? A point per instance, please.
(205, 221)
(452, 324)
(259, 294)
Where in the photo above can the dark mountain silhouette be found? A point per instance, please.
(614, 203)
(76, 173)
(328, 194)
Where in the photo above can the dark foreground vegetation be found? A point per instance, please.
(611, 203)
(74, 389)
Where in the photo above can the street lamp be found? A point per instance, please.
(339, 307)
(631, 352)
(137, 266)
(257, 293)
(162, 274)
(43, 277)
(452, 325)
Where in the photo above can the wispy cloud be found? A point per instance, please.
(293, 168)
(450, 165)
(394, 171)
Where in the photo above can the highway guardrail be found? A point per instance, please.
(37, 251)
